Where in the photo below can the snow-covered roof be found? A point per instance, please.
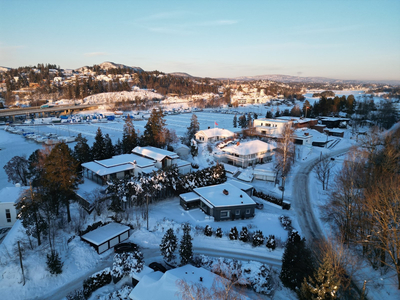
(149, 170)
(216, 132)
(271, 120)
(116, 164)
(153, 286)
(250, 147)
(264, 168)
(230, 169)
(241, 185)
(105, 233)
(188, 197)
(154, 153)
(180, 162)
(11, 194)
(214, 195)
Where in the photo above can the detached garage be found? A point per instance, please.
(106, 237)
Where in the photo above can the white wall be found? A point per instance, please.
(13, 212)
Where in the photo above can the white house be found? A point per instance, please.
(118, 166)
(264, 172)
(163, 158)
(213, 135)
(248, 153)
(8, 198)
(270, 127)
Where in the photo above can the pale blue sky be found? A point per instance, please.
(336, 39)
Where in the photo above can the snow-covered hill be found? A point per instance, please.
(110, 65)
(4, 69)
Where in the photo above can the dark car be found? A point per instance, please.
(125, 247)
(259, 205)
(157, 267)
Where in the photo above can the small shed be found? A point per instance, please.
(264, 172)
(107, 236)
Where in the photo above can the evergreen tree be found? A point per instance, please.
(271, 243)
(168, 245)
(269, 115)
(277, 114)
(191, 130)
(82, 152)
(118, 148)
(233, 234)
(249, 121)
(54, 264)
(129, 136)
(127, 264)
(324, 285)
(255, 116)
(108, 146)
(155, 131)
(235, 121)
(297, 262)
(286, 113)
(98, 146)
(244, 235)
(258, 238)
(194, 150)
(218, 232)
(186, 248)
(242, 121)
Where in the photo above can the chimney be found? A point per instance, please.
(225, 192)
(201, 278)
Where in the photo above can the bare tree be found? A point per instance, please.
(323, 170)
(17, 170)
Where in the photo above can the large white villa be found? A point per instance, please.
(248, 153)
(213, 135)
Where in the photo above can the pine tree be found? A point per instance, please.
(82, 152)
(108, 146)
(186, 248)
(271, 243)
(208, 230)
(191, 130)
(98, 146)
(194, 150)
(249, 121)
(233, 234)
(269, 115)
(127, 264)
(244, 235)
(235, 121)
(297, 262)
(325, 283)
(118, 147)
(54, 263)
(242, 121)
(218, 233)
(258, 238)
(129, 136)
(168, 245)
(155, 131)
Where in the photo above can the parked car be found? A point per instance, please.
(157, 267)
(259, 205)
(125, 247)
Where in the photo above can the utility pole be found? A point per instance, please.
(20, 260)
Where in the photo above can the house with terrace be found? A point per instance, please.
(213, 135)
(225, 201)
(270, 127)
(163, 158)
(119, 166)
(248, 153)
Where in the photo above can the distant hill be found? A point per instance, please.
(288, 78)
(4, 69)
(181, 74)
(110, 65)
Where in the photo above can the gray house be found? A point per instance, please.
(223, 202)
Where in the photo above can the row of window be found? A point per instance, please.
(227, 213)
(8, 216)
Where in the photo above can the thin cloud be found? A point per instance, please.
(92, 54)
(217, 23)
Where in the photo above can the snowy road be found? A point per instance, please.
(153, 254)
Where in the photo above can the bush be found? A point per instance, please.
(286, 222)
(208, 231)
(120, 294)
(271, 243)
(233, 234)
(258, 238)
(218, 232)
(268, 198)
(96, 281)
(54, 264)
(195, 166)
(244, 235)
(76, 295)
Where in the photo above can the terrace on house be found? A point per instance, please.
(163, 158)
(248, 153)
(213, 135)
(270, 127)
(224, 201)
(119, 166)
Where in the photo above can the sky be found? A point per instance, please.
(353, 39)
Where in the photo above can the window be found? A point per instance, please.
(237, 212)
(247, 211)
(225, 213)
(8, 216)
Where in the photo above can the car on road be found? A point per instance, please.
(157, 267)
(125, 247)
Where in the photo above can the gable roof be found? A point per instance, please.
(154, 153)
(105, 233)
(216, 132)
(250, 147)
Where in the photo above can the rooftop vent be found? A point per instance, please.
(241, 196)
(201, 278)
(225, 192)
